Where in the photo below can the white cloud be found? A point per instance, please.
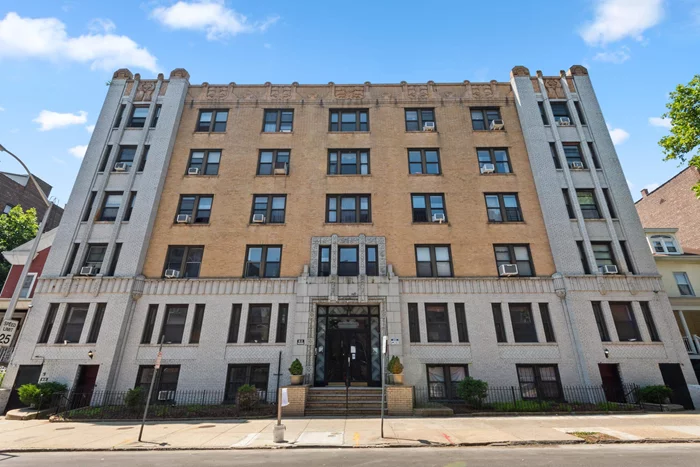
(46, 38)
(101, 25)
(619, 56)
(618, 135)
(51, 120)
(90, 128)
(619, 19)
(78, 151)
(651, 187)
(210, 16)
(660, 122)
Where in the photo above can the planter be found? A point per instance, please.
(397, 379)
(297, 380)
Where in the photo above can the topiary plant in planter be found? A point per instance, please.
(395, 367)
(297, 372)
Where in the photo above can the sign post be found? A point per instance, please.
(7, 332)
(282, 401)
(159, 357)
(385, 348)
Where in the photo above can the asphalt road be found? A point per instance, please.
(668, 455)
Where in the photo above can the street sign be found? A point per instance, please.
(7, 332)
(285, 397)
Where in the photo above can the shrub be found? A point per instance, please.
(296, 369)
(29, 394)
(395, 366)
(473, 391)
(522, 406)
(247, 396)
(655, 394)
(134, 398)
(40, 395)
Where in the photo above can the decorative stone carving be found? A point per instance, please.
(123, 73)
(349, 92)
(144, 93)
(163, 88)
(481, 91)
(281, 92)
(554, 88)
(417, 92)
(217, 92)
(179, 73)
(578, 70)
(520, 71)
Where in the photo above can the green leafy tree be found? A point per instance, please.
(16, 227)
(684, 113)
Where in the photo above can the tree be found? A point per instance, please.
(684, 113)
(16, 227)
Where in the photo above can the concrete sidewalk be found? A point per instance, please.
(345, 432)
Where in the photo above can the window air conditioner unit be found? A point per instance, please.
(172, 273)
(609, 269)
(281, 169)
(508, 270)
(488, 168)
(429, 126)
(563, 121)
(88, 271)
(166, 395)
(497, 125)
(577, 165)
(183, 219)
(286, 130)
(193, 171)
(121, 167)
(439, 217)
(258, 218)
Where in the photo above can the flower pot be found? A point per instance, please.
(297, 379)
(398, 379)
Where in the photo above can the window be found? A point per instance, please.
(600, 322)
(560, 111)
(437, 322)
(174, 324)
(234, 324)
(138, 117)
(547, 323)
(608, 202)
(649, 320)
(272, 207)
(482, 118)
(71, 259)
(555, 157)
(443, 380)
(603, 254)
(425, 206)
(353, 209)
(683, 283)
(258, 325)
(206, 161)
(105, 158)
(110, 207)
(515, 254)
(48, 324)
(498, 322)
(371, 261)
(567, 201)
(276, 121)
(115, 259)
(27, 285)
(96, 323)
(587, 203)
(198, 207)
(523, 322)
(539, 381)
(433, 261)
(126, 156)
(348, 162)
(584, 258)
(424, 161)
(594, 155)
(129, 207)
(73, 323)
(579, 112)
(7, 209)
(417, 118)
(625, 322)
(626, 256)
(213, 121)
(282, 315)
(664, 244)
(413, 323)
(324, 260)
(150, 324)
(196, 332)
(349, 120)
(461, 315)
(572, 152)
(254, 375)
(503, 207)
(156, 116)
(543, 113)
(272, 160)
(144, 158)
(165, 383)
(497, 157)
(348, 264)
(263, 261)
(187, 260)
(95, 256)
(120, 114)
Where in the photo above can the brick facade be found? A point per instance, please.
(17, 189)
(399, 400)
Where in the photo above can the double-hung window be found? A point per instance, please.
(165, 381)
(349, 120)
(324, 260)
(187, 260)
(560, 111)
(424, 161)
(348, 209)
(198, 207)
(271, 207)
(603, 254)
(272, 161)
(73, 323)
(437, 322)
(539, 381)
(573, 155)
(348, 261)
(625, 321)
(443, 381)
(482, 118)
(416, 119)
(683, 283)
(95, 256)
(263, 261)
(371, 260)
(278, 121)
(27, 285)
(428, 207)
(156, 116)
(503, 207)
(433, 261)
(130, 207)
(205, 161)
(588, 204)
(212, 121)
(253, 375)
(174, 324)
(348, 162)
(126, 157)
(110, 206)
(664, 244)
(258, 324)
(600, 322)
(523, 322)
(496, 157)
(138, 117)
(515, 254)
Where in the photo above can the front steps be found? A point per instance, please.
(334, 401)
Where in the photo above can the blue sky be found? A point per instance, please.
(57, 55)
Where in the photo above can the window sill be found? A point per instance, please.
(442, 344)
(201, 175)
(430, 223)
(209, 132)
(251, 224)
(517, 276)
(506, 222)
(277, 132)
(169, 345)
(426, 175)
(498, 173)
(72, 344)
(421, 131)
(123, 172)
(348, 132)
(242, 344)
(632, 343)
(489, 131)
(348, 223)
(272, 175)
(105, 222)
(347, 175)
(529, 344)
(198, 224)
(595, 219)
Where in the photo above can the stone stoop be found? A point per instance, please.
(332, 401)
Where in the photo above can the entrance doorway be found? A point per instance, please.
(612, 382)
(674, 379)
(26, 374)
(84, 386)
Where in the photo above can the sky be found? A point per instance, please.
(57, 56)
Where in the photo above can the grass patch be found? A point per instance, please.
(593, 437)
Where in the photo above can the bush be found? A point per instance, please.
(134, 398)
(395, 366)
(247, 396)
(40, 395)
(29, 394)
(655, 394)
(522, 406)
(472, 391)
(296, 369)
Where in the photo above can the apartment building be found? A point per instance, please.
(485, 228)
(17, 189)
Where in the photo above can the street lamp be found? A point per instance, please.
(35, 243)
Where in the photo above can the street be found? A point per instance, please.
(668, 455)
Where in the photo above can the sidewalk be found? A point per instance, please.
(345, 432)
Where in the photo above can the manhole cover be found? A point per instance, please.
(65, 428)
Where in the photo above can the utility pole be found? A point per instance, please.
(156, 367)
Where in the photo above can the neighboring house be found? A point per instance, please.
(18, 189)
(486, 229)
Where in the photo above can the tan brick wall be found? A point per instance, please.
(297, 401)
(390, 185)
(399, 400)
